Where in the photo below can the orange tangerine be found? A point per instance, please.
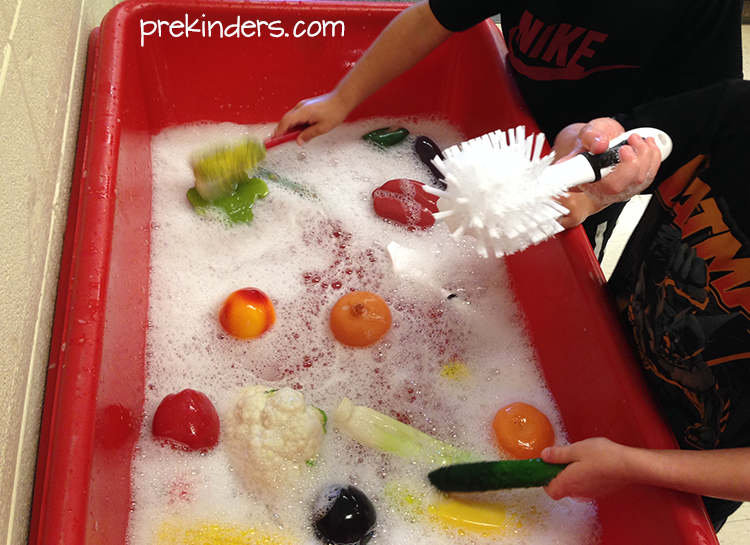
(360, 318)
(523, 431)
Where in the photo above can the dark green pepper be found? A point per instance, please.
(386, 137)
(239, 205)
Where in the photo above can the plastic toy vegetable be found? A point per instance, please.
(483, 476)
(386, 137)
(187, 420)
(484, 518)
(237, 204)
(247, 313)
(523, 431)
(376, 430)
(405, 202)
(464, 514)
(187, 531)
(271, 435)
(427, 150)
(360, 318)
(344, 515)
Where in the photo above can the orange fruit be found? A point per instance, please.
(523, 431)
(247, 313)
(360, 318)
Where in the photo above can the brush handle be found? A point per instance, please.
(603, 163)
(276, 140)
(586, 167)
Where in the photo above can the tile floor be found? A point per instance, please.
(736, 531)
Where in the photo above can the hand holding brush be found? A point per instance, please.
(504, 193)
(639, 162)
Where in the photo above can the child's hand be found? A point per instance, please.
(407, 39)
(320, 114)
(580, 207)
(639, 160)
(596, 468)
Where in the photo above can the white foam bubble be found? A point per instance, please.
(305, 250)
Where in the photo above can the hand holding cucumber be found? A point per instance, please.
(595, 467)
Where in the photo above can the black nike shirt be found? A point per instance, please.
(578, 60)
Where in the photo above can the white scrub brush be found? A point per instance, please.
(502, 192)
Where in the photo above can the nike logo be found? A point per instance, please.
(552, 52)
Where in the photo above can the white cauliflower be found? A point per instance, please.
(271, 435)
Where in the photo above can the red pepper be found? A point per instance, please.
(187, 420)
(405, 201)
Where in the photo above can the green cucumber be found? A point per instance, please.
(482, 476)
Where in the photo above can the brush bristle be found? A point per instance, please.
(217, 171)
(495, 193)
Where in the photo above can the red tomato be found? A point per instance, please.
(187, 420)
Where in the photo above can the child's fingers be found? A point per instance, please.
(639, 162)
(283, 126)
(597, 134)
(655, 160)
(579, 207)
(645, 155)
(557, 455)
(566, 483)
(594, 140)
(293, 118)
(552, 491)
(313, 131)
(556, 489)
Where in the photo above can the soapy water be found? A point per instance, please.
(306, 250)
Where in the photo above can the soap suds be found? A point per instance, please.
(305, 251)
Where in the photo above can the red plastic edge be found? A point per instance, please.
(73, 370)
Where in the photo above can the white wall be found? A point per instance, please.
(41, 85)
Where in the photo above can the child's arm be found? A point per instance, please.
(405, 41)
(599, 467)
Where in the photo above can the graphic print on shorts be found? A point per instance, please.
(689, 311)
